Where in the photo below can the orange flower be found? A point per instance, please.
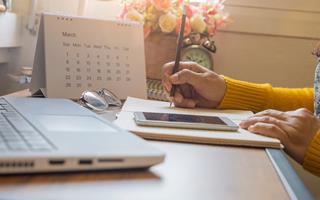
(189, 11)
(165, 15)
(162, 5)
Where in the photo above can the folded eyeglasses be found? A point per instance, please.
(99, 101)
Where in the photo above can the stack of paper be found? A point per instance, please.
(240, 138)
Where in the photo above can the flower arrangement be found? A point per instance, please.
(165, 15)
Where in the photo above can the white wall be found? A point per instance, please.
(24, 55)
(282, 61)
(270, 41)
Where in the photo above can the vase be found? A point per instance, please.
(160, 48)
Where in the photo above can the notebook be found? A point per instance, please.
(240, 138)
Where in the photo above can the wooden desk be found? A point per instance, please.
(190, 171)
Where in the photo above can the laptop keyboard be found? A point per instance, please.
(16, 134)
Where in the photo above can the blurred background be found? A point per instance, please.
(265, 41)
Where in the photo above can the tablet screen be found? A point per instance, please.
(183, 118)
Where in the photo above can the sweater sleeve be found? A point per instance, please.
(311, 160)
(257, 97)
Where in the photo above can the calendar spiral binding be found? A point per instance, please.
(155, 90)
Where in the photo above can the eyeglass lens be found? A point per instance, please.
(94, 101)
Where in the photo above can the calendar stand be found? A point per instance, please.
(74, 54)
(38, 79)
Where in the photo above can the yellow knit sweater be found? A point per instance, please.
(258, 97)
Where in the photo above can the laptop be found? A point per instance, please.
(39, 135)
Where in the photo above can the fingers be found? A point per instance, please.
(270, 123)
(188, 68)
(186, 76)
(180, 101)
(283, 125)
(272, 113)
(168, 68)
(269, 130)
(166, 85)
(265, 119)
(186, 91)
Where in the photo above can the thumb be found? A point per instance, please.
(186, 76)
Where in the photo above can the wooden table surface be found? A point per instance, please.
(190, 171)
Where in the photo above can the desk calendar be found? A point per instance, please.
(75, 54)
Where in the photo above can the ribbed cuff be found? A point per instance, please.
(311, 160)
(245, 96)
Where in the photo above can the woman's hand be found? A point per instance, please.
(295, 129)
(197, 86)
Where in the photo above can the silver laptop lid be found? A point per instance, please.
(79, 139)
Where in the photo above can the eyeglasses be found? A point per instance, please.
(99, 101)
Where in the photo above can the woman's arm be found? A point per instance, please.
(257, 97)
(311, 160)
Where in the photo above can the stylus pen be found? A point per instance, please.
(178, 53)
